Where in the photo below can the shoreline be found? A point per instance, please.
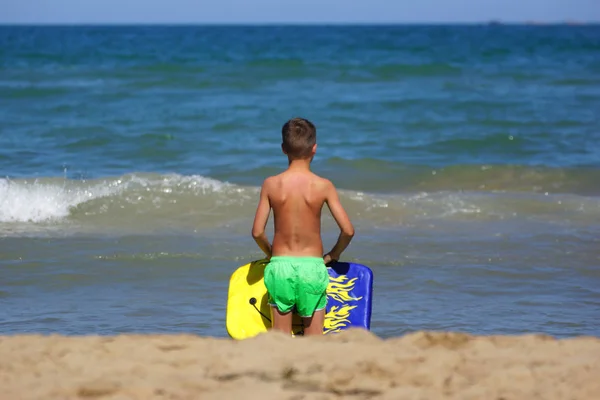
(353, 364)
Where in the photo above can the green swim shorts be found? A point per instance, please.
(297, 281)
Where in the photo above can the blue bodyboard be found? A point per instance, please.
(349, 297)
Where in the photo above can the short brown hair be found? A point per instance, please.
(298, 135)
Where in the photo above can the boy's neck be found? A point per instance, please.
(299, 164)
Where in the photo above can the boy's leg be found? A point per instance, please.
(281, 293)
(281, 322)
(312, 296)
(314, 325)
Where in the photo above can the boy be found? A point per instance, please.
(296, 275)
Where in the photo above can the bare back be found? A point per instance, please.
(297, 198)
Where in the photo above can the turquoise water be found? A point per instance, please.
(468, 158)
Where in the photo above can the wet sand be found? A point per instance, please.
(352, 365)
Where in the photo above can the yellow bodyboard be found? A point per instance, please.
(248, 311)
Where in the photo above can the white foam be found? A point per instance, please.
(193, 182)
(32, 201)
(49, 200)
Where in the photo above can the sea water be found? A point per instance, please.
(468, 158)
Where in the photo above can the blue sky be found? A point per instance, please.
(294, 11)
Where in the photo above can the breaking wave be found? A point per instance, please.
(143, 203)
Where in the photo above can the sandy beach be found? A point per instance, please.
(354, 364)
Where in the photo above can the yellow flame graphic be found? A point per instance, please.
(337, 318)
(339, 290)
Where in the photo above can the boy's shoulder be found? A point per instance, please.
(269, 180)
(322, 182)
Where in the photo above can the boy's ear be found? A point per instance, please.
(314, 149)
(283, 148)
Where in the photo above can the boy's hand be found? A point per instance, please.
(328, 258)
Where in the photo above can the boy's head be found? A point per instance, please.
(299, 138)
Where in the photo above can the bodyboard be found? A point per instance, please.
(349, 300)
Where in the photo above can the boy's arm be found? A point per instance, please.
(340, 216)
(260, 220)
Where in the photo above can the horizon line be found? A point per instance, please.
(490, 22)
